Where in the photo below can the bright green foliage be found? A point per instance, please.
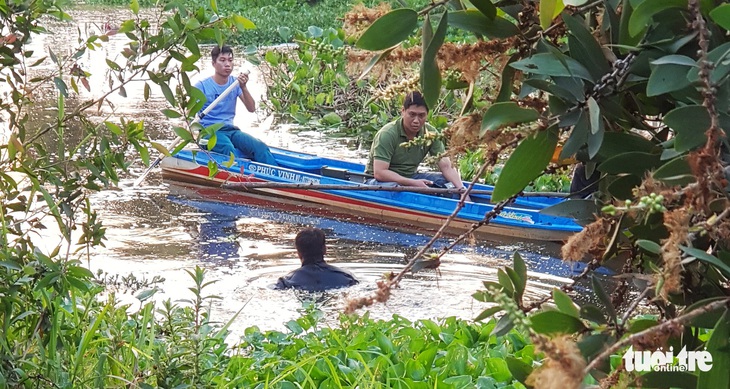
(365, 353)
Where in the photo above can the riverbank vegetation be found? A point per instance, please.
(636, 90)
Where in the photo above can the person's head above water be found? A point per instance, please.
(310, 245)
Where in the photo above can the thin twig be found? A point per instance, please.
(666, 325)
(633, 305)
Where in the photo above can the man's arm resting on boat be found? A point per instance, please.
(382, 173)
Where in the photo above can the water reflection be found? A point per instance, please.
(247, 247)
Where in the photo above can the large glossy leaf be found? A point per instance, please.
(584, 47)
(643, 14)
(430, 72)
(634, 162)
(719, 347)
(667, 78)
(549, 64)
(476, 22)
(554, 322)
(621, 142)
(578, 136)
(675, 172)
(721, 16)
(689, 123)
(526, 163)
(486, 7)
(389, 30)
(506, 114)
(583, 211)
(707, 258)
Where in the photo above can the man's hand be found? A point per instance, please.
(243, 79)
(421, 183)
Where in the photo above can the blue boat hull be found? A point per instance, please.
(426, 212)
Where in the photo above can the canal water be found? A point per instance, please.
(162, 230)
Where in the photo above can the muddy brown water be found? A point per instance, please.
(162, 229)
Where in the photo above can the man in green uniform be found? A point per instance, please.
(392, 164)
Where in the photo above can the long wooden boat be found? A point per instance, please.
(426, 212)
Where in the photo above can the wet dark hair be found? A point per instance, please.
(310, 245)
(218, 50)
(414, 98)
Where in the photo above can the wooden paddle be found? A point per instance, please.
(179, 140)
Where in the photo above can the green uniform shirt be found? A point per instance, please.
(404, 161)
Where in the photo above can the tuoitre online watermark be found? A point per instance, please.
(661, 360)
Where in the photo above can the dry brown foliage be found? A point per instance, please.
(590, 238)
(677, 222)
(563, 368)
(361, 17)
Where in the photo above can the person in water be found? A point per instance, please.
(229, 138)
(315, 274)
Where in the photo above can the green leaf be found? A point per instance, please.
(504, 325)
(592, 313)
(184, 134)
(667, 78)
(115, 129)
(506, 114)
(704, 257)
(526, 163)
(594, 113)
(565, 304)
(645, 11)
(243, 23)
(675, 59)
(554, 322)
(61, 86)
(582, 210)
(486, 7)
(620, 142)
(167, 92)
(721, 16)
(171, 113)
(214, 6)
(134, 6)
(519, 275)
(519, 369)
(584, 47)
(550, 64)
(689, 123)
(331, 119)
(476, 22)
(146, 92)
(675, 172)
(649, 245)
(548, 10)
(389, 30)
(603, 297)
(507, 79)
(430, 72)
(489, 312)
(634, 162)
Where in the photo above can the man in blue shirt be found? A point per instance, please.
(229, 138)
(315, 274)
